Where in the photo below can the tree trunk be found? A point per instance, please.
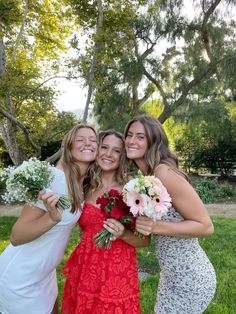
(94, 60)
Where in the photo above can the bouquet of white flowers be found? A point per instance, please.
(146, 195)
(27, 180)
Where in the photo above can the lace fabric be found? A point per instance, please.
(99, 280)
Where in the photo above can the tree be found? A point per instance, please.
(153, 47)
(32, 36)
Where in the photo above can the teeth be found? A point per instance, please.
(87, 151)
(105, 160)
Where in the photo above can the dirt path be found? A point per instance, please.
(219, 210)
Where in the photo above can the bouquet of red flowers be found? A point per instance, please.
(113, 206)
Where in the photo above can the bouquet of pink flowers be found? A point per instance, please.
(113, 206)
(146, 195)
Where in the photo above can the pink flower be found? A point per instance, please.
(136, 202)
(162, 202)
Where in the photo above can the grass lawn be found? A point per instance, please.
(220, 247)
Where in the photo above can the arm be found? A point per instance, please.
(118, 231)
(34, 221)
(186, 201)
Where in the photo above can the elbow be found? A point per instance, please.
(14, 239)
(209, 229)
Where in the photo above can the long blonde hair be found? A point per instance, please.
(93, 179)
(70, 166)
(158, 151)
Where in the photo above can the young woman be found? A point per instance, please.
(28, 281)
(103, 281)
(187, 279)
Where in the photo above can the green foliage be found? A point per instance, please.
(211, 191)
(33, 44)
(208, 137)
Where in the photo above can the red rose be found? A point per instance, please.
(117, 213)
(102, 201)
(114, 193)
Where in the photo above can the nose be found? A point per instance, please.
(109, 152)
(87, 141)
(130, 139)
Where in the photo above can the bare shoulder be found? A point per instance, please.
(169, 176)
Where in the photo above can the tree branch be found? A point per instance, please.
(21, 30)
(23, 128)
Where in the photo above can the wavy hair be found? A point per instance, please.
(70, 165)
(93, 180)
(158, 151)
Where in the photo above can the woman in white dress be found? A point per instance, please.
(28, 282)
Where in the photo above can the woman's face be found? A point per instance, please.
(109, 153)
(136, 142)
(85, 145)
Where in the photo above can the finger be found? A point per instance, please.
(111, 225)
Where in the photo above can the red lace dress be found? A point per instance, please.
(100, 281)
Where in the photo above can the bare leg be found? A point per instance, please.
(55, 308)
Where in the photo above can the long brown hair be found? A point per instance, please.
(158, 151)
(70, 166)
(93, 179)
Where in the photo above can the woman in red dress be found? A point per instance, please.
(99, 280)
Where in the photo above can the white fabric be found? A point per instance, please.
(28, 281)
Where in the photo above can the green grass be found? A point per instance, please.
(220, 247)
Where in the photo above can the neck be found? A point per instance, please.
(142, 165)
(109, 180)
(83, 169)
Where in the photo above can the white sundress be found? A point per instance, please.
(28, 282)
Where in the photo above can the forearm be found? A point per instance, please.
(28, 231)
(135, 241)
(186, 228)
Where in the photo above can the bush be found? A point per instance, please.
(210, 190)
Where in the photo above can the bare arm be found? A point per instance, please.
(34, 221)
(186, 201)
(118, 231)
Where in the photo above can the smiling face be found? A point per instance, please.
(109, 153)
(136, 143)
(84, 147)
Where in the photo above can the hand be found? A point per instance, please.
(50, 200)
(144, 225)
(115, 228)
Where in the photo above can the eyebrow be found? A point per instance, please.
(116, 147)
(82, 136)
(138, 133)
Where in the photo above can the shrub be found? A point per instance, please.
(210, 190)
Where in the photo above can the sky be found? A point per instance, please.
(72, 95)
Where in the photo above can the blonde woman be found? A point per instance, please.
(103, 281)
(39, 237)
